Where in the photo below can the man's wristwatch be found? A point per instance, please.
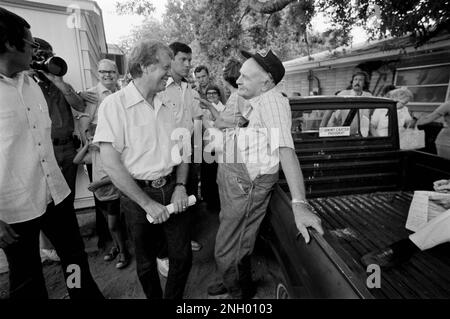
(304, 202)
(180, 184)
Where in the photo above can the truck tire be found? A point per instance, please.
(282, 291)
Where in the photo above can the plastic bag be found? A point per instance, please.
(412, 139)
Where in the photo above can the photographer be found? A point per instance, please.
(60, 97)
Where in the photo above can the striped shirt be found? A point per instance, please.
(30, 177)
(269, 129)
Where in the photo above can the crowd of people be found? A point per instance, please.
(138, 165)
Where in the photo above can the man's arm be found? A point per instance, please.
(179, 196)
(326, 118)
(303, 215)
(80, 157)
(96, 184)
(84, 120)
(433, 116)
(69, 93)
(122, 179)
(89, 97)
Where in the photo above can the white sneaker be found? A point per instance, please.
(163, 266)
(50, 254)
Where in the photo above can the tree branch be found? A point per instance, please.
(268, 7)
(246, 11)
(267, 21)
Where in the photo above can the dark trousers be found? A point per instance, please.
(209, 188)
(191, 189)
(64, 155)
(60, 225)
(149, 238)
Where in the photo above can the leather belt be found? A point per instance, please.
(62, 141)
(156, 183)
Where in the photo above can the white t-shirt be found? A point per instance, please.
(380, 120)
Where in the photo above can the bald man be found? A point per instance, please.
(108, 75)
(248, 181)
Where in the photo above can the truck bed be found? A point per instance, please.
(358, 224)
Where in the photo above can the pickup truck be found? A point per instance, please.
(361, 185)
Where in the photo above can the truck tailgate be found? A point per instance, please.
(358, 224)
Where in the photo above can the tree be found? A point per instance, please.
(150, 28)
(140, 7)
(217, 29)
(422, 19)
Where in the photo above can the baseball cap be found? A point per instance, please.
(269, 62)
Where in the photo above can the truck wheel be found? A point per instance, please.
(282, 291)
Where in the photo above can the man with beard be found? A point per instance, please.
(134, 134)
(359, 86)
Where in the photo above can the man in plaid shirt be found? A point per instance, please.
(246, 184)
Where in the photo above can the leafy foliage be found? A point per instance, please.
(217, 29)
(421, 18)
(141, 7)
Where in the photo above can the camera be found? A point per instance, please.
(54, 65)
(44, 60)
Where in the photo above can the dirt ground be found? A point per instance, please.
(124, 284)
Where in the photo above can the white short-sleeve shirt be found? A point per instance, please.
(140, 132)
(380, 120)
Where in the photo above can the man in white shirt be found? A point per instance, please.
(139, 155)
(182, 99)
(33, 192)
(247, 184)
(359, 87)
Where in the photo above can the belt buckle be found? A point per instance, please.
(158, 183)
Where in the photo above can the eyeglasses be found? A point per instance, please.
(106, 72)
(32, 44)
(212, 93)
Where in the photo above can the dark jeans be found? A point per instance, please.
(210, 190)
(149, 238)
(60, 225)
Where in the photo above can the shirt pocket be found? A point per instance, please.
(142, 137)
(45, 116)
(8, 124)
